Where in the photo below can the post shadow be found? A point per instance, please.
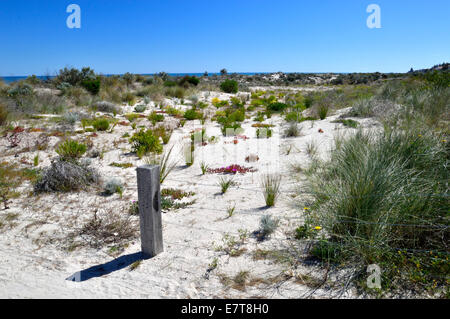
(107, 268)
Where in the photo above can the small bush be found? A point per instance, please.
(93, 86)
(71, 150)
(101, 124)
(277, 107)
(229, 86)
(192, 114)
(63, 176)
(113, 186)
(155, 117)
(107, 107)
(322, 112)
(144, 142)
(268, 225)
(140, 108)
(70, 118)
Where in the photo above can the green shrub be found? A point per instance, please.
(186, 80)
(71, 150)
(192, 114)
(276, 107)
(100, 124)
(229, 86)
(237, 116)
(155, 117)
(170, 83)
(322, 112)
(144, 142)
(93, 86)
(74, 76)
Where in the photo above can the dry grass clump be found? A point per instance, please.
(66, 176)
(293, 130)
(112, 227)
(107, 107)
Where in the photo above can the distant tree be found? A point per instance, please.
(163, 75)
(205, 74)
(223, 72)
(128, 78)
(74, 76)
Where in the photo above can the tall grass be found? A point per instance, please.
(225, 183)
(271, 188)
(165, 163)
(374, 183)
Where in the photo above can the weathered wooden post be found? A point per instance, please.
(149, 196)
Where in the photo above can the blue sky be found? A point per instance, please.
(147, 36)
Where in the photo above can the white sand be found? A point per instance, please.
(33, 263)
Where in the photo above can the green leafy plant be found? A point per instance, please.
(144, 142)
(229, 86)
(71, 150)
(100, 124)
(155, 117)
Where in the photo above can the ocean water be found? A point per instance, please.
(11, 79)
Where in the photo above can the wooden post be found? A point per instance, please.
(149, 196)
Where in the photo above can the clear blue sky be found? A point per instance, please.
(147, 36)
